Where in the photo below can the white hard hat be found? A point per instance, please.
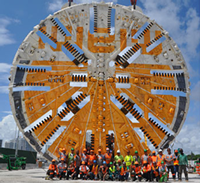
(160, 150)
(118, 151)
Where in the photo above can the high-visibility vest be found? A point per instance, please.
(70, 158)
(83, 169)
(154, 158)
(160, 159)
(53, 168)
(112, 169)
(62, 155)
(91, 158)
(123, 170)
(108, 158)
(146, 158)
(84, 157)
(62, 167)
(176, 162)
(137, 170)
(94, 169)
(155, 170)
(146, 168)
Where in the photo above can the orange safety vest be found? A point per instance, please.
(94, 169)
(108, 158)
(160, 159)
(91, 158)
(123, 170)
(53, 168)
(146, 168)
(176, 162)
(137, 170)
(154, 159)
(83, 169)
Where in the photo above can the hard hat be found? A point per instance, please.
(104, 162)
(62, 159)
(154, 152)
(99, 150)
(144, 162)
(176, 151)
(107, 149)
(136, 152)
(72, 149)
(84, 149)
(83, 162)
(64, 149)
(145, 150)
(136, 163)
(160, 150)
(94, 161)
(124, 163)
(162, 162)
(111, 163)
(119, 161)
(53, 160)
(118, 151)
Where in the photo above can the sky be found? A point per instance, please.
(181, 18)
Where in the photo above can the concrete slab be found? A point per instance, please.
(38, 176)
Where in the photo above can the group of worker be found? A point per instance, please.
(89, 165)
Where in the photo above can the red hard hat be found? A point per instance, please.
(176, 151)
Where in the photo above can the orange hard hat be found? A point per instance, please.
(99, 150)
(91, 150)
(154, 152)
(84, 149)
(53, 160)
(176, 150)
(62, 159)
(144, 162)
(64, 149)
(119, 161)
(83, 162)
(136, 163)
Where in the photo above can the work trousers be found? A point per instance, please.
(101, 175)
(83, 176)
(155, 175)
(69, 172)
(51, 173)
(176, 170)
(124, 177)
(62, 174)
(136, 176)
(147, 176)
(171, 167)
(183, 168)
(77, 172)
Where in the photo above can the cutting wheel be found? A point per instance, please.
(98, 69)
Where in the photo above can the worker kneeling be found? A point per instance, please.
(163, 172)
(112, 172)
(53, 170)
(146, 170)
(94, 171)
(155, 172)
(124, 172)
(84, 171)
(136, 172)
(62, 169)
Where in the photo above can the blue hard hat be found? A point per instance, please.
(94, 161)
(104, 162)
